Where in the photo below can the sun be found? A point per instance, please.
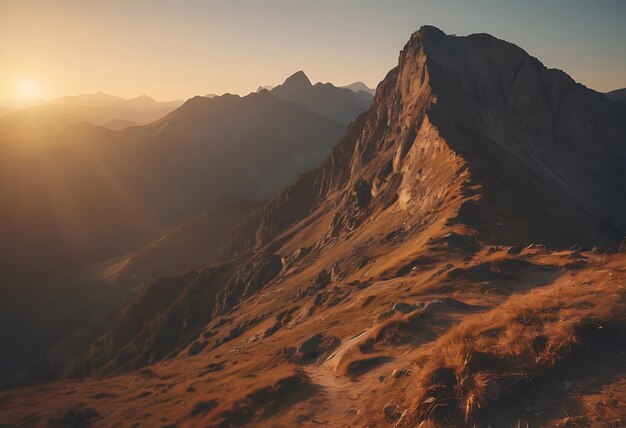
(29, 89)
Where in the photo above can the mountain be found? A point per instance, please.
(101, 99)
(102, 109)
(228, 155)
(618, 95)
(119, 124)
(76, 195)
(190, 245)
(524, 158)
(6, 110)
(326, 99)
(360, 86)
(446, 265)
(92, 192)
(61, 206)
(266, 87)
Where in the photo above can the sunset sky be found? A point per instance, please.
(174, 49)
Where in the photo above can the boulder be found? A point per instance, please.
(310, 346)
(391, 411)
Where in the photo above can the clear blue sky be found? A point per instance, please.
(179, 48)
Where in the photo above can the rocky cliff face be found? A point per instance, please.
(548, 152)
(523, 153)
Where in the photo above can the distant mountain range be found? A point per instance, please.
(7, 110)
(101, 99)
(77, 194)
(110, 111)
(205, 153)
(119, 124)
(104, 110)
(340, 104)
(359, 86)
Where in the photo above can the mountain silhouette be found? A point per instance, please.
(326, 99)
(102, 109)
(206, 153)
(360, 86)
(119, 124)
(76, 194)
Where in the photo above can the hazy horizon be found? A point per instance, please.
(175, 50)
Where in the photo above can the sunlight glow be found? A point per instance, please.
(29, 90)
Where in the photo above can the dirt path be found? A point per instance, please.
(340, 397)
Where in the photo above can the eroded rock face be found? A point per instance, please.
(479, 128)
(548, 152)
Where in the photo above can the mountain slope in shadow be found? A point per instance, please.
(618, 95)
(77, 193)
(328, 100)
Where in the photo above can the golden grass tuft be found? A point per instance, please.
(496, 355)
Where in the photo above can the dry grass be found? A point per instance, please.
(499, 354)
(398, 327)
(605, 408)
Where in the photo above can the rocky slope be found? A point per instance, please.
(421, 275)
(481, 117)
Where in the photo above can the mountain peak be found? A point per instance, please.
(298, 78)
(326, 99)
(143, 98)
(427, 32)
(430, 30)
(359, 86)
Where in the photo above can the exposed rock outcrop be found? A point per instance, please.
(476, 130)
